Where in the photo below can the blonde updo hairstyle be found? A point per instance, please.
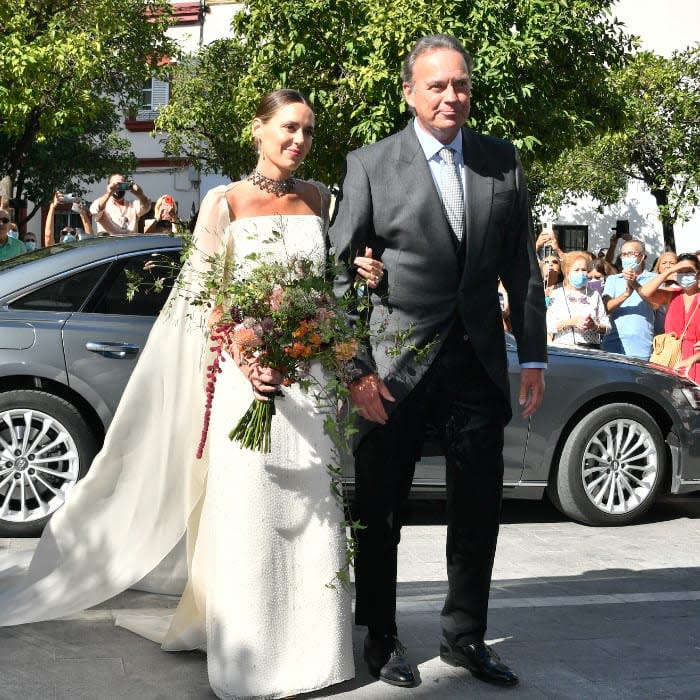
(273, 102)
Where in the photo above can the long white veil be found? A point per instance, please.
(132, 509)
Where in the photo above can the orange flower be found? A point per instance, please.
(246, 336)
(345, 350)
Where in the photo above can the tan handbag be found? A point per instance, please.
(667, 346)
(667, 350)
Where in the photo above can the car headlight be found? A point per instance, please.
(692, 393)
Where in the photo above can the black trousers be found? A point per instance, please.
(469, 412)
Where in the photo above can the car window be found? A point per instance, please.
(112, 297)
(67, 294)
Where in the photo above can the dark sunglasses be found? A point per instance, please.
(4, 220)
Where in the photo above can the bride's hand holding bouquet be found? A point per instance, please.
(278, 320)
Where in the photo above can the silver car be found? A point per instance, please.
(69, 340)
(610, 436)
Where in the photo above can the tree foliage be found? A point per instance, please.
(658, 141)
(539, 76)
(67, 67)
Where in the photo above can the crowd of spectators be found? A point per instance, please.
(114, 213)
(611, 301)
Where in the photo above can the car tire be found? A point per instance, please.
(46, 447)
(612, 466)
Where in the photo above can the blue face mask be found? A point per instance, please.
(687, 279)
(578, 278)
(30, 246)
(629, 263)
(12, 233)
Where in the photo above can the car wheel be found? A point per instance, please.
(611, 467)
(45, 448)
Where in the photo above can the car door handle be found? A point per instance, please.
(119, 350)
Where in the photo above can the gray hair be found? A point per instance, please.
(635, 240)
(433, 42)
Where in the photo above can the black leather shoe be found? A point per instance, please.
(483, 662)
(386, 659)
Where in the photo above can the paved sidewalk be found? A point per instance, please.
(578, 612)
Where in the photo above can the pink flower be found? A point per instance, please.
(276, 298)
(323, 314)
(247, 335)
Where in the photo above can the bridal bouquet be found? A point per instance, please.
(283, 316)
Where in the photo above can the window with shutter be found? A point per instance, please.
(155, 95)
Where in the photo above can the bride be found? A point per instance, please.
(263, 531)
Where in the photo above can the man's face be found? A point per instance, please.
(633, 251)
(119, 196)
(4, 225)
(439, 94)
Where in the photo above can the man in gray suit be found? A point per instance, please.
(447, 212)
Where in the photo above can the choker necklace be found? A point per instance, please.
(277, 187)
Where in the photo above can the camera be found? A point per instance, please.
(124, 186)
(69, 198)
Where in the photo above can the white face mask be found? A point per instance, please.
(687, 279)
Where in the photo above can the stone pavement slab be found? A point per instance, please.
(603, 613)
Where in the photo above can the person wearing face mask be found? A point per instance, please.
(29, 240)
(631, 315)
(683, 316)
(10, 246)
(576, 315)
(113, 213)
(51, 236)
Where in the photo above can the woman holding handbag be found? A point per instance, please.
(682, 317)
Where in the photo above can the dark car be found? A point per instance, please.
(610, 436)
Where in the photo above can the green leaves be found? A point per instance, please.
(66, 69)
(656, 140)
(540, 74)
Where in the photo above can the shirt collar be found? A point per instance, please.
(431, 146)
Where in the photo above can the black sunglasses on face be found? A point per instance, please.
(4, 220)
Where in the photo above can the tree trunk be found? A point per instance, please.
(667, 222)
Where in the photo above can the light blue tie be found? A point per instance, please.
(452, 192)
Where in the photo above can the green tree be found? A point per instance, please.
(67, 70)
(658, 142)
(539, 77)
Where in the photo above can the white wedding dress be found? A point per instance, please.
(263, 531)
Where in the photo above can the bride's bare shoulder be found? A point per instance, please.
(315, 194)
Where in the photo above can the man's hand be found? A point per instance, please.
(366, 394)
(630, 276)
(531, 390)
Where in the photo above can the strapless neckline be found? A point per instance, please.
(276, 216)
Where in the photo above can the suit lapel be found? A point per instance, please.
(479, 193)
(419, 179)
